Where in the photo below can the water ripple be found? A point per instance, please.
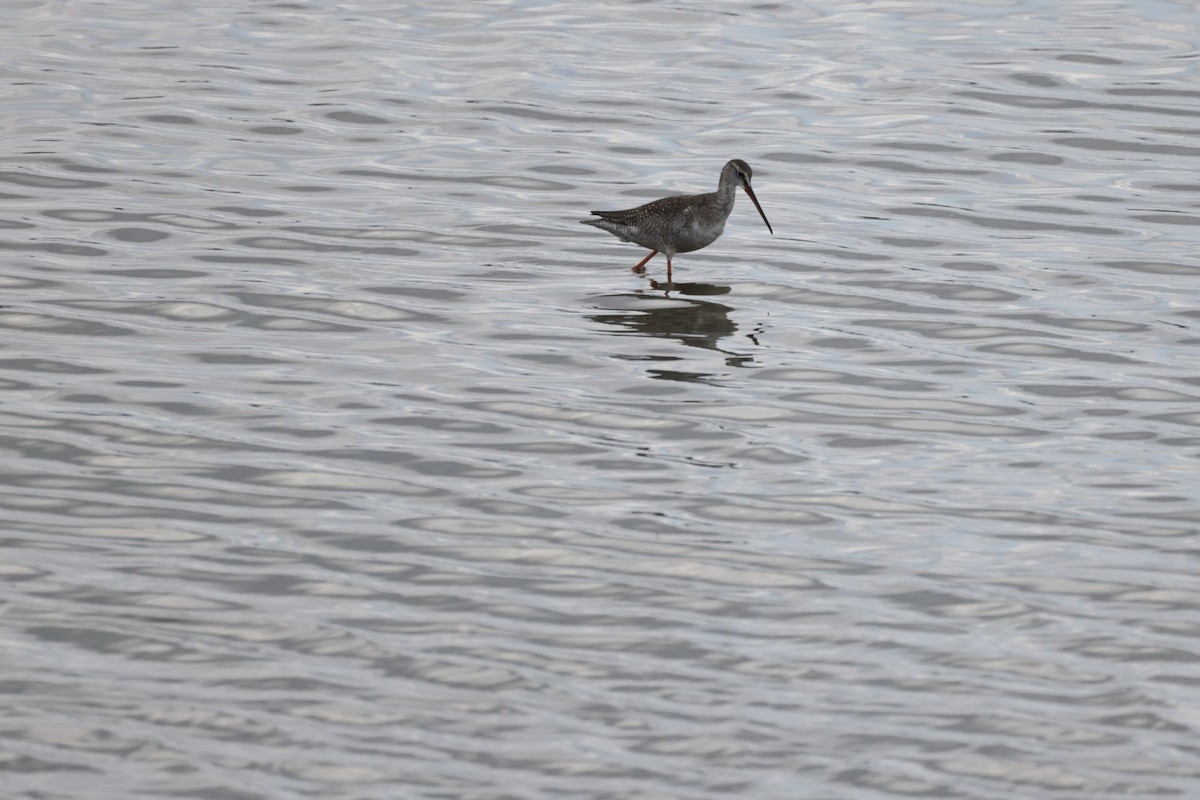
(339, 460)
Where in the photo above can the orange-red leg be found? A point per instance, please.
(641, 267)
(669, 270)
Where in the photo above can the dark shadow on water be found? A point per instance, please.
(689, 289)
(674, 312)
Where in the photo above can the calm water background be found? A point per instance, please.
(339, 461)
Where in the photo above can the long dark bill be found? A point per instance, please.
(749, 191)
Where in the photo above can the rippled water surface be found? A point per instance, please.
(340, 461)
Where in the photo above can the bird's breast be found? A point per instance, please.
(697, 232)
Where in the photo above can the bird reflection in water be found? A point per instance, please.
(686, 318)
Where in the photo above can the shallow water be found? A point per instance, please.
(340, 461)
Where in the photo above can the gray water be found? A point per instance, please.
(340, 461)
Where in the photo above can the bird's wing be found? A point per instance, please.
(635, 216)
(628, 216)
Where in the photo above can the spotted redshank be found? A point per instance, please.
(680, 223)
